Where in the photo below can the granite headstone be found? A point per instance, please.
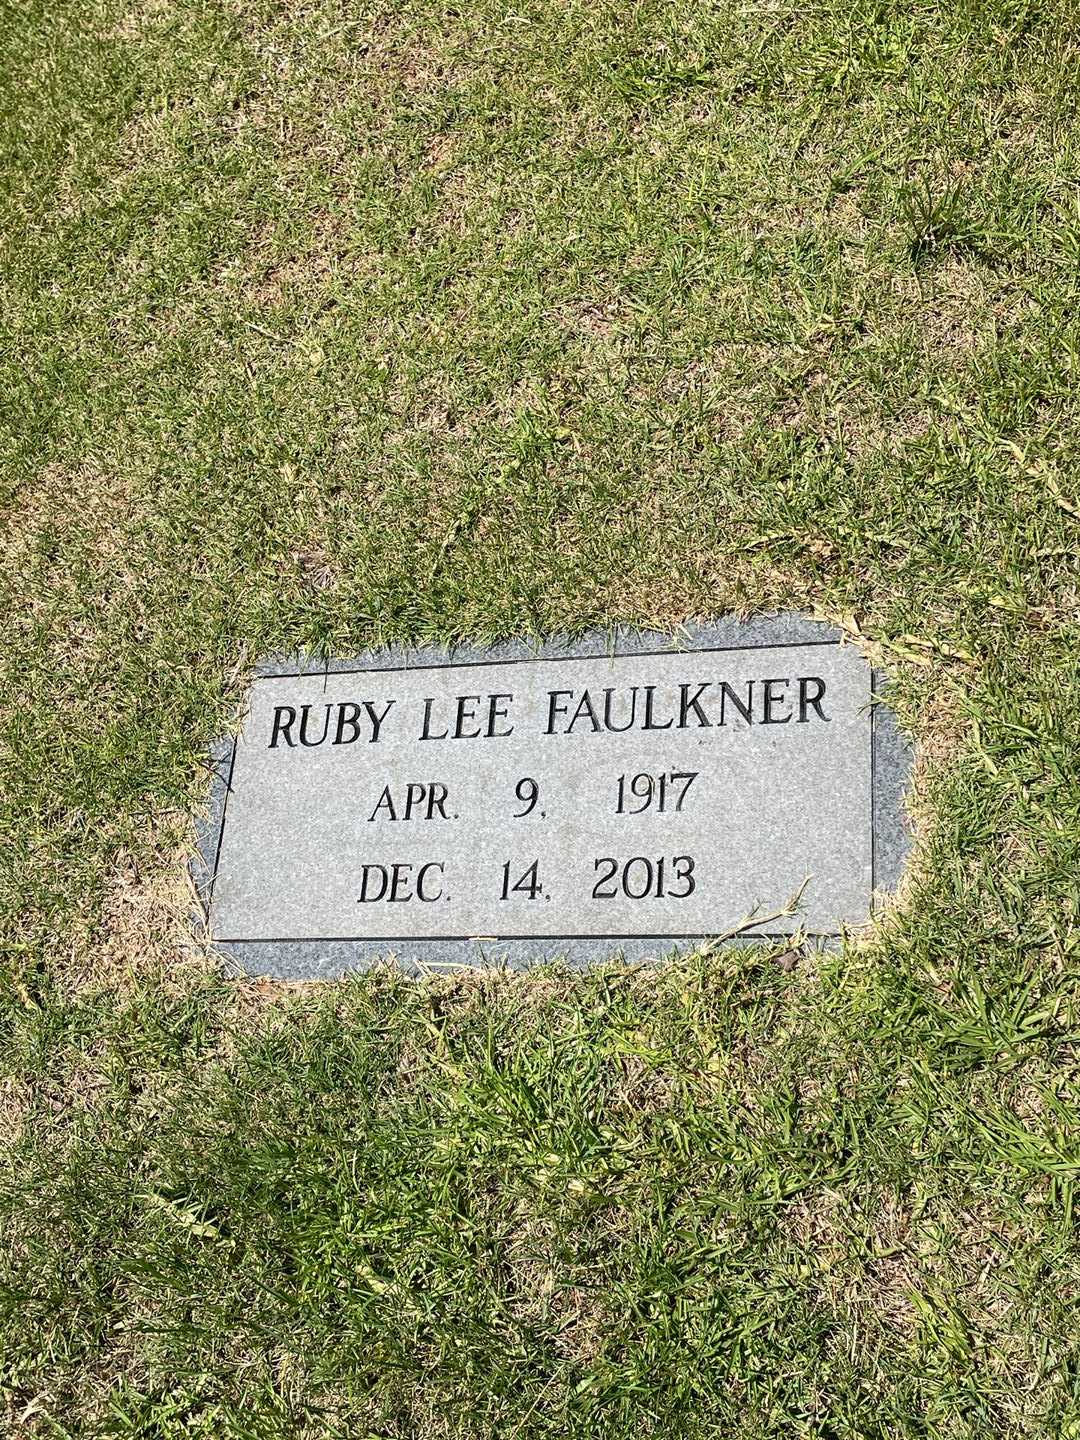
(625, 793)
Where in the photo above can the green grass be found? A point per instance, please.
(326, 327)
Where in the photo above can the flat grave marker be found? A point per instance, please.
(625, 793)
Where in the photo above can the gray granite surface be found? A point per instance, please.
(369, 808)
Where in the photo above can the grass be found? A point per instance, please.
(334, 326)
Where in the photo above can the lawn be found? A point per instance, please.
(326, 326)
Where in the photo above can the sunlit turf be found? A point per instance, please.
(326, 327)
